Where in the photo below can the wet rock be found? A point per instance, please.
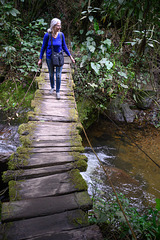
(119, 176)
(114, 110)
(121, 112)
(129, 115)
(4, 157)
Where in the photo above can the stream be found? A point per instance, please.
(130, 170)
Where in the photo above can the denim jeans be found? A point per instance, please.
(51, 74)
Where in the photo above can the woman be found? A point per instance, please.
(58, 45)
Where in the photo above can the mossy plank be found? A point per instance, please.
(56, 149)
(50, 118)
(57, 184)
(51, 159)
(24, 174)
(52, 224)
(25, 209)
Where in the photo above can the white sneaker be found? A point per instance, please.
(58, 95)
(51, 91)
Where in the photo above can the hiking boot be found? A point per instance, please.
(58, 95)
(51, 91)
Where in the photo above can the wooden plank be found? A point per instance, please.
(74, 139)
(63, 93)
(64, 70)
(51, 118)
(55, 149)
(47, 101)
(64, 115)
(30, 208)
(66, 112)
(64, 76)
(61, 129)
(86, 233)
(62, 143)
(52, 159)
(37, 172)
(54, 185)
(54, 104)
(40, 226)
(48, 87)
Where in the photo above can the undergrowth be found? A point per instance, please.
(108, 215)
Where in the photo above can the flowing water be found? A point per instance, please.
(9, 141)
(130, 170)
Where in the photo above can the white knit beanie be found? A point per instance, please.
(54, 21)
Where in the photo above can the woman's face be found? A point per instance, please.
(57, 27)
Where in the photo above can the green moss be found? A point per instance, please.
(77, 180)
(78, 149)
(19, 158)
(31, 115)
(69, 86)
(38, 94)
(37, 109)
(23, 151)
(70, 94)
(11, 175)
(87, 112)
(81, 165)
(83, 199)
(70, 98)
(26, 141)
(79, 126)
(73, 114)
(76, 140)
(13, 191)
(41, 79)
(77, 156)
(27, 127)
(78, 218)
(35, 102)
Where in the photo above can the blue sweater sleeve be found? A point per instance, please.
(64, 46)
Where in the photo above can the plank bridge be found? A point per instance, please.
(48, 196)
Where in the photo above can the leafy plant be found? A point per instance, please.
(108, 215)
(100, 70)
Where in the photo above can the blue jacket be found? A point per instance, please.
(58, 45)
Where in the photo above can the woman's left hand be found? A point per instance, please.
(72, 59)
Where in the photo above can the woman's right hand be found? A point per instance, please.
(40, 62)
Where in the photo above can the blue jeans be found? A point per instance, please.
(51, 75)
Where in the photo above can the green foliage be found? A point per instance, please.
(22, 54)
(118, 51)
(108, 215)
(12, 92)
(100, 73)
(20, 47)
(20, 43)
